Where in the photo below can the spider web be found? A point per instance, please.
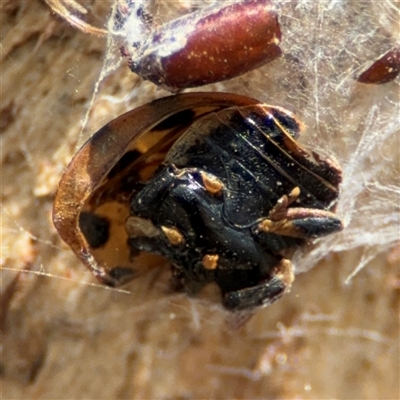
(326, 45)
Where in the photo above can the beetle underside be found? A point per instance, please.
(234, 194)
(214, 182)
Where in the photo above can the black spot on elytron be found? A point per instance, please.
(180, 118)
(94, 228)
(125, 161)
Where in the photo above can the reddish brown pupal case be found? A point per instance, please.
(209, 46)
(385, 69)
(98, 181)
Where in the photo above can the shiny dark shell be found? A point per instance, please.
(214, 182)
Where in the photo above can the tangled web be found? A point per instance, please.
(326, 46)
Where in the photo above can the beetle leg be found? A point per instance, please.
(306, 223)
(264, 293)
(282, 204)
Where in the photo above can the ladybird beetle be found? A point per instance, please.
(213, 182)
(207, 46)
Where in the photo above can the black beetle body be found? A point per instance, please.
(213, 205)
(214, 182)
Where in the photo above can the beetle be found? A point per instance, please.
(216, 183)
(207, 46)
